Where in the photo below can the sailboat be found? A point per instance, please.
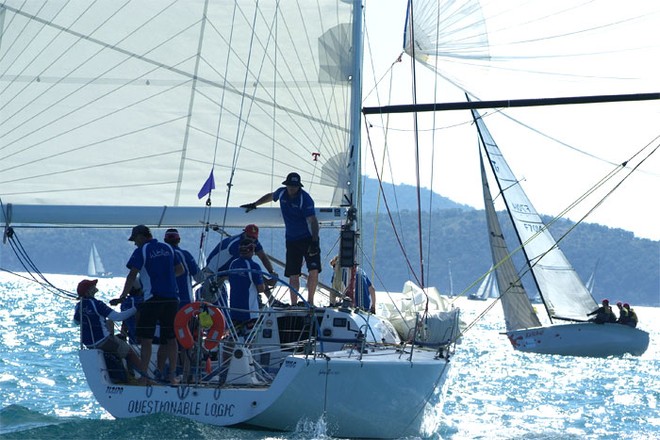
(115, 114)
(487, 289)
(95, 268)
(565, 297)
(569, 75)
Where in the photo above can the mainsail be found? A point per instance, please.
(563, 292)
(116, 113)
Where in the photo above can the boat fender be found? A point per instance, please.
(205, 311)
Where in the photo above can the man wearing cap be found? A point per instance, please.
(191, 269)
(302, 233)
(246, 283)
(227, 251)
(632, 316)
(158, 266)
(603, 313)
(95, 319)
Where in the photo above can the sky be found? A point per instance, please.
(558, 152)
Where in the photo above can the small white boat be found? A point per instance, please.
(95, 267)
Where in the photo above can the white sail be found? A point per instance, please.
(518, 310)
(563, 292)
(95, 267)
(487, 289)
(115, 114)
(493, 49)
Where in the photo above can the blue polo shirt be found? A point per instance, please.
(156, 261)
(184, 281)
(94, 328)
(227, 251)
(243, 290)
(295, 211)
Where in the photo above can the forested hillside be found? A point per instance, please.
(628, 268)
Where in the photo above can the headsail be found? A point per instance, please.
(563, 293)
(518, 310)
(177, 90)
(488, 287)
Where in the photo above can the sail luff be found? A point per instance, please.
(518, 310)
(561, 289)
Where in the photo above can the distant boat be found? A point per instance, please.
(592, 278)
(95, 266)
(563, 294)
(487, 288)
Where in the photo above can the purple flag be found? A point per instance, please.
(207, 187)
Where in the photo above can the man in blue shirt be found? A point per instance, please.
(302, 233)
(158, 266)
(246, 283)
(227, 251)
(191, 269)
(95, 319)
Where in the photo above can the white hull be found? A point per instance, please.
(335, 377)
(403, 397)
(381, 396)
(581, 339)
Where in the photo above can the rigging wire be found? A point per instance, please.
(413, 66)
(389, 212)
(30, 267)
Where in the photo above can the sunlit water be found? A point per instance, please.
(495, 393)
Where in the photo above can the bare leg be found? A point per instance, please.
(172, 354)
(161, 357)
(294, 282)
(312, 282)
(145, 357)
(134, 360)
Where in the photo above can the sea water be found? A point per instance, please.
(494, 393)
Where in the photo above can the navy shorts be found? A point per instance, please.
(296, 250)
(157, 310)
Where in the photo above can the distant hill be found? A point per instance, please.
(404, 198)
(628, 268)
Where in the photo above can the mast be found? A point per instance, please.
(347, 254)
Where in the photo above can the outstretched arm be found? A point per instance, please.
(128, 284)
(263, 199)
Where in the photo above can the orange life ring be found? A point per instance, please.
(182, 330)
